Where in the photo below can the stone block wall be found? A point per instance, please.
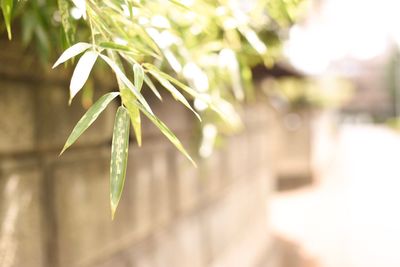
(54, 211)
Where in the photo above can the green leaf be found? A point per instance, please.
(119, 157)
(227, 112)
(111, 45)
(118, 47)
(81, 72)
(138, 76)
(247, 78)
(74, 50)
(129, 102)
(175, 2)
(175, 92)
(42, 40)
(28, 23)
(184, 87)
(253, 39)
(89, 117)
(152, 87)
(66, 21)
(134, 113)
(87, 94)
(7, 8)
(139, 29)
(166, 131)
(121, 75)
(128, 98)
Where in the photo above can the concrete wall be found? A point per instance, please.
(54, 211)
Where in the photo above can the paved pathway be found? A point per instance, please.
(352, 217)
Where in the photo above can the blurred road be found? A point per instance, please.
(351, 218)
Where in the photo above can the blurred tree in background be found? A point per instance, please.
(198, 50)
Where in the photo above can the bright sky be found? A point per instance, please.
(359, 29)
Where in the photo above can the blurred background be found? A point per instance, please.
(346, 215)
(310, 180)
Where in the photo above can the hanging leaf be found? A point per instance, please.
(29, 20)
(120, 48)
(7, 8)
(147, 40)
(114, 46)
(175, 92)
(177, 3)
(121, 75)
(119, 157)
(166, 131)
(134, 112)
(138, 76)
(253, 39)
(233, 68)
(81, 72)
(42, 40)
(184, 87)
(66, 20)
(247, 78)
(89, 117)
(227, 113)
(130, 105)
(152, 87)
(74, 50)
(87, 94)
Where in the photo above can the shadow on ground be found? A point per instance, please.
(286, 253)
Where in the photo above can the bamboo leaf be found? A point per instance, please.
(81, 72)
(28, 22)
(119, 157)
(111, 45)
(144, 35)
(118, 47)
(74, 50)
(66, 20)
(89, 117)
(175, 92)
(184, 87)
(129, 102)
(177, 3)
(128, 97)
(227, 112)
(7, 8)
(121, 75)
(152, 87)
(138, 76)
(153, 69)
(253, 39)
(134, 112)
(87, 94)
(166, 131)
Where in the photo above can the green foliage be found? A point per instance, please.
(285, 12)
(119, 157)
(196, 50)
(64, 7)
(7, 8)
(89, 117)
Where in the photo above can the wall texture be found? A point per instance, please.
(54, 211)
